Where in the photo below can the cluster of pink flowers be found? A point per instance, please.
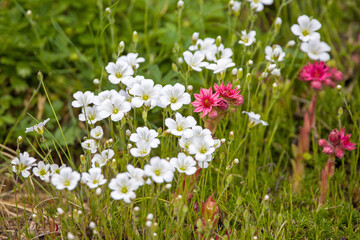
(320, 75)
(224, 97)
(337, 144)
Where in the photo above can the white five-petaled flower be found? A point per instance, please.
(175, 96)
(145, 93)
(207, 46)
(23, 164)
(82, 99)
(258, 5)
(42, 171)
(202, 148)
(100, 160)
(104, 95)
(119, 71)
(316, 50)
(149, 136)
(136, 174)
(142, 149)
(236, 6)
(93, 178)
(123, 187)
(181, 126)
(90, 145)
(132, 59)
(55, 169)
(306, 29)
(97, 132)
(220, 53)
(255, 119)
(184, 164)
(115, 108)
(39, 128)
(195, 61)
(159, 170)
(247, 38)
(274, 53)
(67, 178)
(91, 114)
(221, 65)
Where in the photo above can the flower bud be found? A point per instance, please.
(274, 85)
(135, 37)
(250, 62)
(240, 73)
(218, 41)
(190, 88)
(195, 37)
(174, 67)
(334, 136)
(92, 225)
(108, 10)
(266, 197)
(339, 88)
(231, 135)
(19, 140)
(180, 60)
(82, 159)
(223, 140)
(180, 4)
(248, 77)
(96, 81)
(276, 72)
(60, 211)
(278, 22)
(234, 71)
(98, 191)
(28, 13)
(70, 236)
(121, 47)
(236, 161)
(340, 111)
(290, 43)
(40, 76)
(150, 216)
(136, 209)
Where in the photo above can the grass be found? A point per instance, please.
(72, 42)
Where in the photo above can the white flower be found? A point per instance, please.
(274, 53)
(90, 145)
(199, 132)
(102, 96)
(94, 178)
(207, 46)
(236, 6)
(119, 71)
(247, 38)
(144, 134)
(217, 143)
(195, 61)
(97, 132)
(276, 72)
(159, 170)
(205, 163)
(132, 59)
(115, 108)
(316, 50)
(185, 142)
(201, 148)
(255, 119)
(258, 5)
(123, 188)
(220, 53)
(100, 160)
(23, 164)
(82, 99)
(134, 80)
(55, 169)
(42, 171)
(145, 93)
(39, 128)
(278, 22)
(221, 65)
(306, 29)
(184, 164)
(136, 174)
(175, 96)
(142, 149)
(181, 126)
(67, 178)
(91, 114)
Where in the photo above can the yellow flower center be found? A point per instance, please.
(115, 111)
(305, 32)
(173, 99)
(124, 190)
(42, 172)
(145, 97)
(157, 172)
(66, 183)
(203, 150)
(118, 75)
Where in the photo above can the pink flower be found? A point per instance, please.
(320, 75)
(338, 143)
(229, 94)
(206, 101)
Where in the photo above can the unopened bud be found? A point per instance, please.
(108, 10)
(218, 41)
(96, 81)
(234, 71)
(92, 225)
(240, 73)
(82, 159)
(338, 87)
(236, 161)
(121, 47)
(340, 111)
(278, 22)
(180, 60)
(174, 67)
(250, 62)
(28, 13)
(180, 4)
(195, 37)
(98, 191)
(136, 209)
(290, 43)
(231, 135)
(248, 77)
(274, 85)
(60, 211)
(128, 132)
(135, 37)
(150, 216)
(223, 140)
(190, 88)
(19, 140)
(40, 76)
(168, 186)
